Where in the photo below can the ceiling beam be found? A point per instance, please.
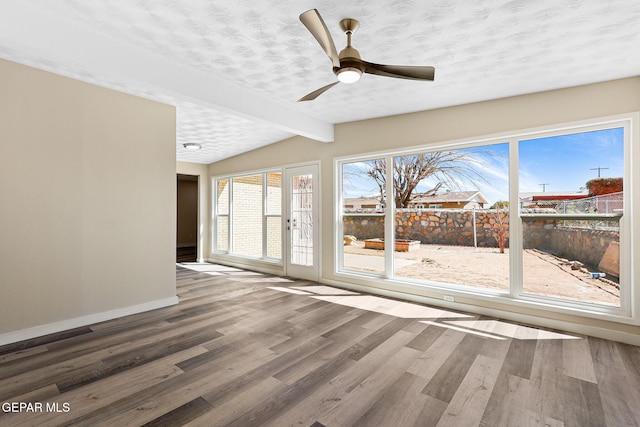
(58, 44)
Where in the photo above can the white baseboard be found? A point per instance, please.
(544, 322)
(51, 328)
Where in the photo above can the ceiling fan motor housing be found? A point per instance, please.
(349, 58)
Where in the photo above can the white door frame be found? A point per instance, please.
(292, 225)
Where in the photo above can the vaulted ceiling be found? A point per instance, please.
(235, 68)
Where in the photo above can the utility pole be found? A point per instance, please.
(598, 169)
(544, 187)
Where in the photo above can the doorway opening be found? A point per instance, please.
(187, 218)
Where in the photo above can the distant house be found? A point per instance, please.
(449, 200)
(363, 204)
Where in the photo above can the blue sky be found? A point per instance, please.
(564, 163)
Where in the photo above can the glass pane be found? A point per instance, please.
(579, 262)
(302, 220)
(274, 194)
(222, 231)
(452, 218)
(363, 215)
(274, 237)
(222, 221)
(581, 174)
(247, 215)
(222, 201)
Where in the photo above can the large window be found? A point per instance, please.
(535, 217)
(363, 217)
(465, 227)
(248, 215)
(571, 200)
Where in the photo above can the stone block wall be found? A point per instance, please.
(451, 226)
(582, 244)
(455, 227)
(364, 226)
(433, 226)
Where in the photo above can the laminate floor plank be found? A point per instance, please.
(240, 349)
(75, 347)
(262, 413)
(372, 341)
(224, 412)
(508, 401)
(447, 380)
(21, 354)
(181, 415)
(631, 357)
(374, 360)
(100, 394)
(400, 403)
(144, 405)
(577, 361)
(426, 338)
(546, 380)
(304, 366)
(581, 403)
(361, 398)
(431, 412)
(43, 340)
(326, 399)
(468, 404)
(619, 394)
(240, 383)
(431, 360)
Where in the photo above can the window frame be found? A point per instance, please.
(264, 215)
(627, 312)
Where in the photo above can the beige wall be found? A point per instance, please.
(202, 172)
(442, 125)
(87, 210)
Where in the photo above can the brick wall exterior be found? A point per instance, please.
(247, 215)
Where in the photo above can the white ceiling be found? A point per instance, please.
(235, 68)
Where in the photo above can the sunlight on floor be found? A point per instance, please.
(501, 330)
(467, 323)
(400, 309)
(325, 290)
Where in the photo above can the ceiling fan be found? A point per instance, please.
(347, 66)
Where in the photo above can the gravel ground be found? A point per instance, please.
(544, 274)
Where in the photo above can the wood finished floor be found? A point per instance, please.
(186, 254)
(247, 349)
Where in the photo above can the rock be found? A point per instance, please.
(349, 240)
(576, 265)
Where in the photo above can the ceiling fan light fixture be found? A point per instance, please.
(349, 74)
(192, 146)
(348, 66)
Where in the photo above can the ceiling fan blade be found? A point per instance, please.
(316, 26)
(316, 93)
(400, 71)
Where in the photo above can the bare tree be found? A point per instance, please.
(447, 167)
(500, 229)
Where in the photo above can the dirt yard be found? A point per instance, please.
(487, 268)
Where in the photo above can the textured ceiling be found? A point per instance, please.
(481, 49)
